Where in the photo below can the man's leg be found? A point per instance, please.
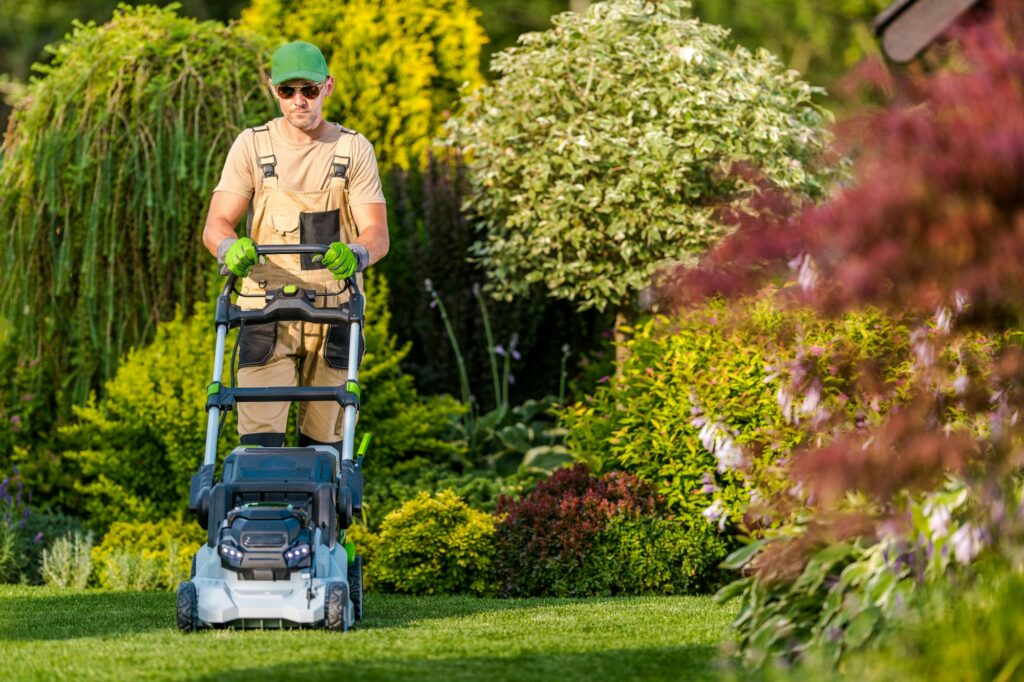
(265, 423)
(319, 422)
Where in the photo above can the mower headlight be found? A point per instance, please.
(232, 554)
(296, 554)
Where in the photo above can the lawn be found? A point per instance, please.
(48, 634)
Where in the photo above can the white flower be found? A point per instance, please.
(938, 518)
(967, 542)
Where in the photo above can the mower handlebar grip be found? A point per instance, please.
(287, 249)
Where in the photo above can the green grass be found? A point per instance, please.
(49, 634)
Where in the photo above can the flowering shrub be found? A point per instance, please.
(930, 228)
(704, 407)
(435, 544)
(576, 534)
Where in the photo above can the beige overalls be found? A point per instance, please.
(279, 353)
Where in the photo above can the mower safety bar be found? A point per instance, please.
(225, 397)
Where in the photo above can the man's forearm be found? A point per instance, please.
(215, 232)
(375, 240)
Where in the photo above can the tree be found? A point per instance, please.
(398, 64)
(107, 171)
(605, 146)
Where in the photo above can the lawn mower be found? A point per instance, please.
(275, 554)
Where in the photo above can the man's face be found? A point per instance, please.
(302, 111)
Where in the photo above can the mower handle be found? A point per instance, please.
(287, 249)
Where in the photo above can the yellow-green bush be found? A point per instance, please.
(716, 376)
(435, 544)
(397, 64)
(146, 556)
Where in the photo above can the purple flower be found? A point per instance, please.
(38, 538)
(511, 380)
(605, 379)
(512, 344)
(433, 303)
(500, 350)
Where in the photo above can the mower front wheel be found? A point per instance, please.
(188, 607)
(336, 607)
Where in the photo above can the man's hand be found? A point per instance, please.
(241, 256)
(341, 260)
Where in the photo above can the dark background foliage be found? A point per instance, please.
(430, 237)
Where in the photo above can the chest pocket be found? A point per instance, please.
(284, 224)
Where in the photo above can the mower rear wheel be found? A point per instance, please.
(355, 584)
(336, 607)
(188, 607)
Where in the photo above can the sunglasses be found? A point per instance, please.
(309, 91)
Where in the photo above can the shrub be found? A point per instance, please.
(655, 555)
(701, 406)
(68, 562)
(106, 172)
(146, 556)
(435, 544)
(397, 64)
(577, 535)
(637, 116)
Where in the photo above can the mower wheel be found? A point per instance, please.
(355, 584)
(188, 607)
(335, 607)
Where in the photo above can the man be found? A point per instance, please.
(302, 180)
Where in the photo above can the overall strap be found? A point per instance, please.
(342, 157)
(265, 157)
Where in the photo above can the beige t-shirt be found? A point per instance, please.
(301, 167)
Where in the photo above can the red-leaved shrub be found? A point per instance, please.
(544, 539)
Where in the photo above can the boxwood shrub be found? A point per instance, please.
(434, 544)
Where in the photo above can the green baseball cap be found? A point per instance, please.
(298, 60)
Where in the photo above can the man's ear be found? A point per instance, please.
(328, 87)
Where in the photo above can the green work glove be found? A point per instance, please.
(340, 260)
(241, 256)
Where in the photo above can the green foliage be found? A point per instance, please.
(107, 170)
(397, 64)
(138, 447)
(655, 555)
(602, 151)
(428, 227)
(701, 391)
(847, 592)
(146, 556)
(821, 39)
(435, 544)
(68, 563)
(965, 630)
(388, 490)
(405, 425)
